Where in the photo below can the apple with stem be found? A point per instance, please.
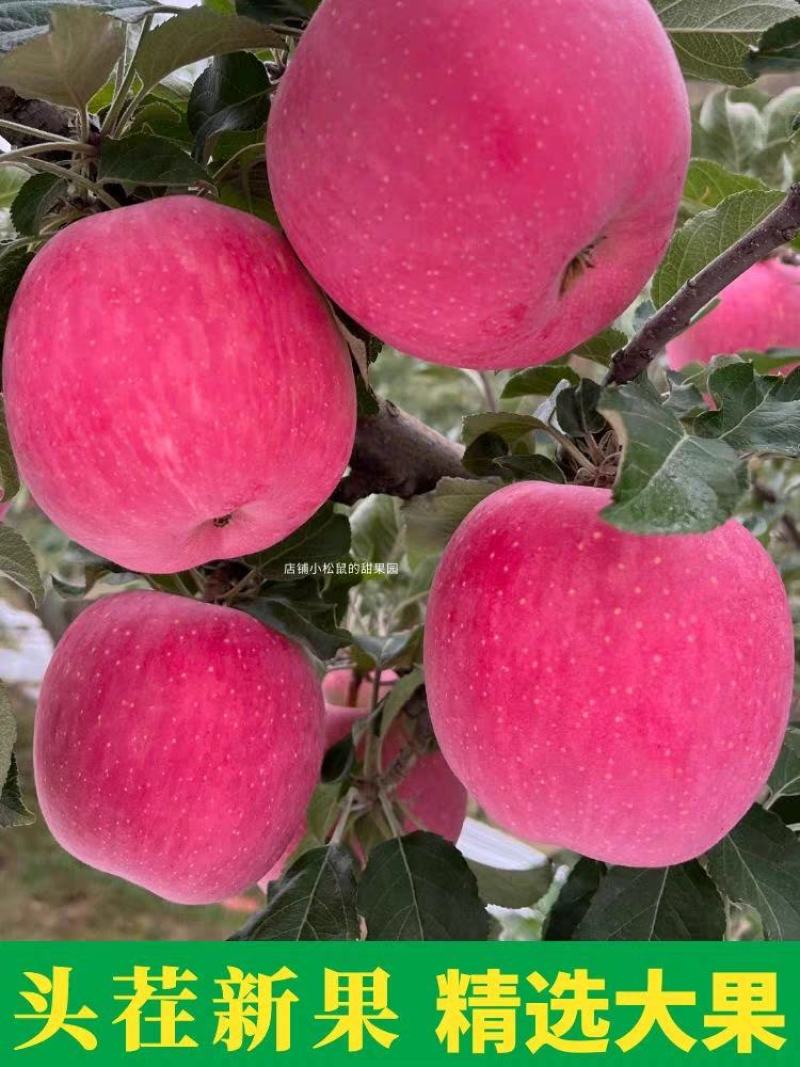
(177, 744)
(619, 695)
(479, 206)
(176, 388)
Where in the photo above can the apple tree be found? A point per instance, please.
(438, 463)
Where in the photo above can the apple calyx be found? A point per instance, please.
(579, 265)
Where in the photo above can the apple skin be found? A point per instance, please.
(622, 696)
(168, 365)
(757, 311)
(438, 190)
(176, 744)
(430, 790)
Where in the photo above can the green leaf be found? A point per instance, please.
(384, 652)
(22, 20)
(197, 34)
(573, 900)
(685, 400)
(654, 904)
(324, 641)
(778, 50)
(324, 538)
(709, 183)
(145, 159)
(754, 414)
(11, 181)
(12, 807)
(602, 346)
(731, 129)
(508, 888)
(669, 481)
(376, 528)
(8, 733)
(530, 468)
(419, 888)
(706, 236)
(398, 696)
(758, 863)
(315, 900)
(431, 519)
(232, 93)
(506, 424)
(713, 38)
(18, 563)
(576, 409)
(538, 381)
(70, 63)
(13, 265)
(37, 197)
(785, 778)
(9, 476)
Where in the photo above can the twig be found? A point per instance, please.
(71, 176)
(20, 155)
(397, 454)
(676, 315)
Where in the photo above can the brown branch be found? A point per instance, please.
(397, 454)
(36, 113)
(676, 315)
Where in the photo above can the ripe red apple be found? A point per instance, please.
(176, 388)
(480, 184)
(758, 311)
(177, 744)
(430, 792)
(619, 695)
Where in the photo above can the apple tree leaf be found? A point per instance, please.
(654, 904)
(314, 900)
(21, 20)
(147, 159)
(713, 38)
(758, 863)
(574, 899)
(68, 64)
(785, 778)
(18, 563)
(419, 888)
(708, 183)
(196, 34)
(431, 519)
(232, 93)
(754, 414)
(669, 481)
(706, 236)
(511, 888)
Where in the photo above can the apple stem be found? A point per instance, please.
(779, 227)
(341, 822)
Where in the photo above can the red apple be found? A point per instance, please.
(177, 744)
(758, 311)
(619, 695)
(433, 796)
(480, 184)
(176, 388)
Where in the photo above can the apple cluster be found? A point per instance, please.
(178, 391)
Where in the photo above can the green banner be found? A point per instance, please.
(331, 1002)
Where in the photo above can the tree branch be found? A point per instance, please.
(676, 315)
(37, 114)
(397, 454)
